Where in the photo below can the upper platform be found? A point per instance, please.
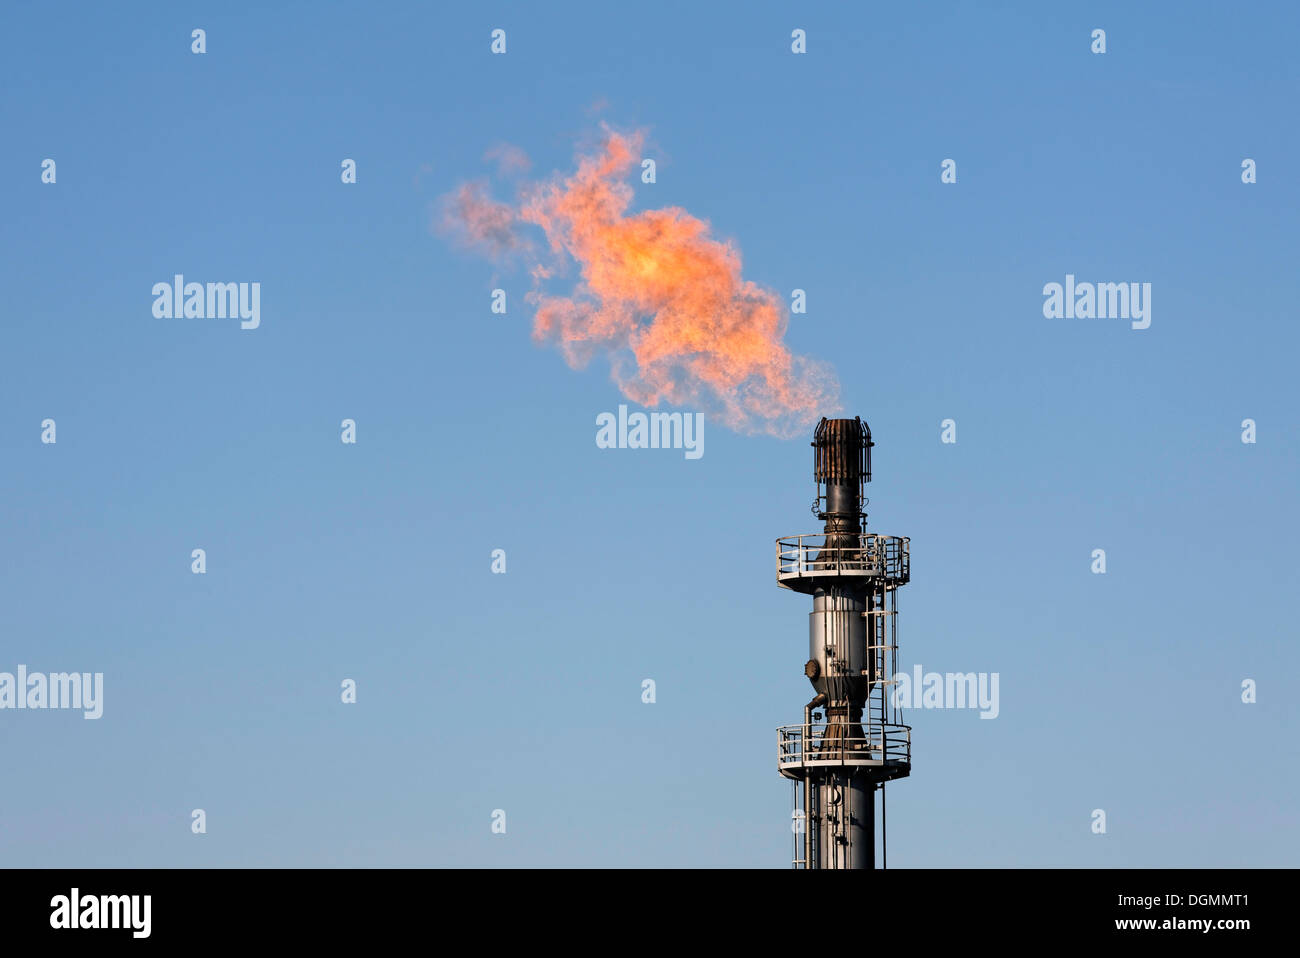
(804, 561)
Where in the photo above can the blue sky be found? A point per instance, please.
(522, 691)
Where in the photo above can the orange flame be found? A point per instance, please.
(658, 294)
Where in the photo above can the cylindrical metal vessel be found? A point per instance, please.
(844, 816)
(837, 644)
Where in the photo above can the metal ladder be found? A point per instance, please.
(877, 649)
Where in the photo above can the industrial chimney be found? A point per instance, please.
(850, 741)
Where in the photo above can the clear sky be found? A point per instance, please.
(522, 692)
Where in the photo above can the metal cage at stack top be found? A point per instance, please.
(841, 454)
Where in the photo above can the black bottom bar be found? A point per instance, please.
(980, 908)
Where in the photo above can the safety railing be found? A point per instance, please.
(861, 554)
(888, 747)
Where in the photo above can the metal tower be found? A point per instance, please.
(851, 741)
